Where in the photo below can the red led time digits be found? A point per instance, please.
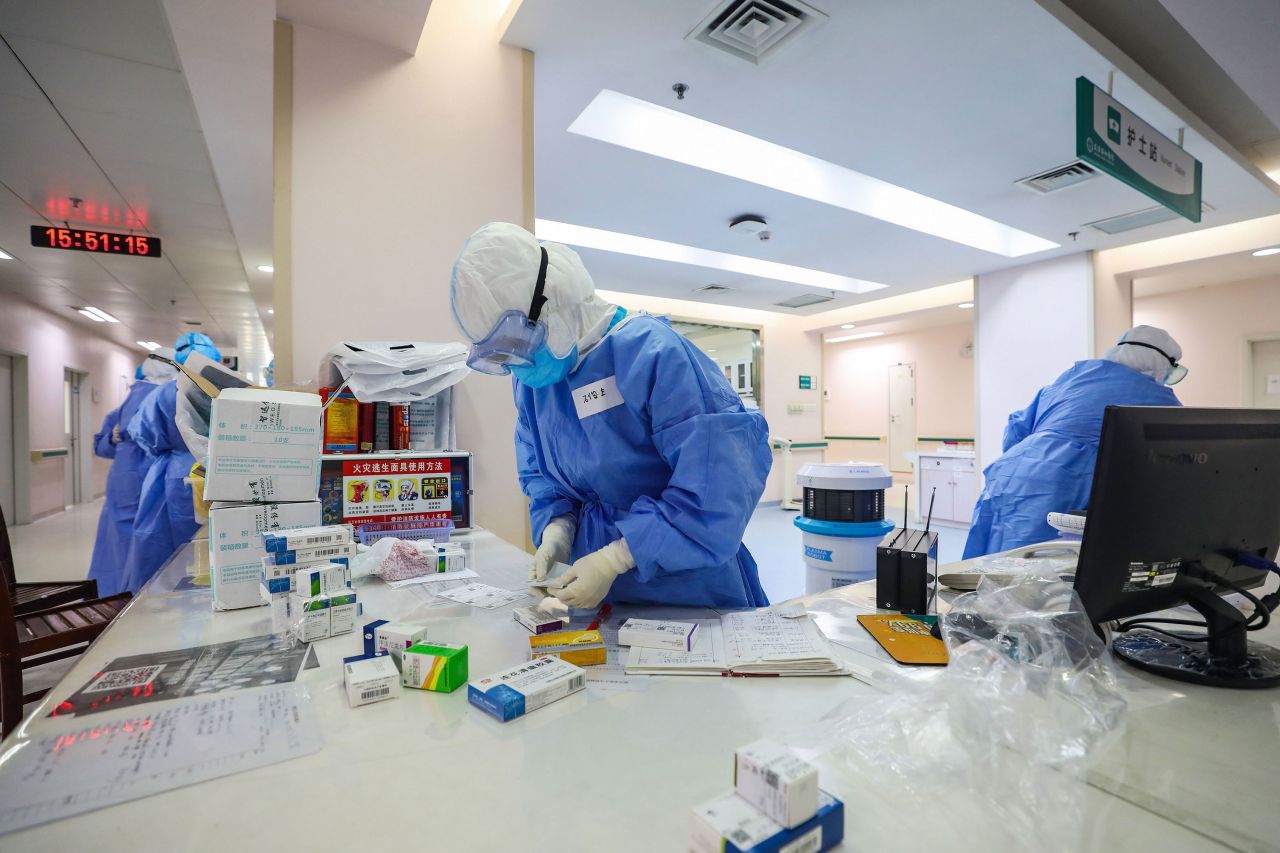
(83, 240)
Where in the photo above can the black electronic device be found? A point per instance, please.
(94, 240)
(907, 569)
(1181, 499)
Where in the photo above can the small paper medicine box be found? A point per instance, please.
(441, 667)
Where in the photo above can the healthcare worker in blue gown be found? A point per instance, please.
(166, 516)
(124, 479)
(1051, 446)
(641, 465)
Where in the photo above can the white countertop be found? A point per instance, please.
(945, 454)
(619, 771)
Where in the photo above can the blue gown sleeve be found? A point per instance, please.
(545, 500)
(1021, 423)
(147, 427)
(719, 457)
(102, 445)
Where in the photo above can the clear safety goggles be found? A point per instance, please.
(515, 337)
(1177, 372)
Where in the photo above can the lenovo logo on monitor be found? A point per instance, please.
(1161, 457)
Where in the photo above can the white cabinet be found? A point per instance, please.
(955, 476)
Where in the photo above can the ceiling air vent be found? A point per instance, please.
(1059, 178)
(1138, 219)
(712, 289)
(804, 300)
(754, 30)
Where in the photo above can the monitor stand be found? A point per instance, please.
(1228, 660)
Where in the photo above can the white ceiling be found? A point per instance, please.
(396, 23)
(1207, 272)
(93, 104)
(911, 321)
(954, 100)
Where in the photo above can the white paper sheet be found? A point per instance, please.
(435, 577)
(155, 749)
(482, 595)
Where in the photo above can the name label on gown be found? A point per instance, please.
(596, 397)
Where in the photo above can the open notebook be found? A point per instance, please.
(758, 642)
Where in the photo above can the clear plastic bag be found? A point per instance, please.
(396, 559)
(194, 406)
(381, 371)
(1029, 694)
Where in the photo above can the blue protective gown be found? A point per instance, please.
(1050, 449)
(676, 467)
(124, 488)
(166, 517)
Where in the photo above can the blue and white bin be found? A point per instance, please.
(842, 521)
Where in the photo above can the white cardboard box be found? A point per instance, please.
(236, 550)
(264, 446)
(777, 782)
(657, 634)
(370, 680)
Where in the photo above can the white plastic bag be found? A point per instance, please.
(394, 372)
(195, 406)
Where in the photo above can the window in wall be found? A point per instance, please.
(734, 349)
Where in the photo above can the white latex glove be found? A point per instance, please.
(588, 581)
(556, 547)
(115, 434)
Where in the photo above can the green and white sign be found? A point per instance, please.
(806, 383)
(1110, 137)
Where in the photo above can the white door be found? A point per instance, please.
(902, 415)
(71, 418)
(1266, 374)
(6, 438)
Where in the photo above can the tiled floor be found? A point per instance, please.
(776, 545)
(58, 547)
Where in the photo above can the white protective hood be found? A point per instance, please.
(497, 270)
(1142, 359)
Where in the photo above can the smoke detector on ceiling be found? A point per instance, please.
(753, 30)
(751, 225)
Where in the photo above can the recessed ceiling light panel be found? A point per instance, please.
(651, 129)
(858, 337)
(645, 247)
(1262, 253)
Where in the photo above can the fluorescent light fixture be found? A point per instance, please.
(5, 256)
(271, 310)
(965, 305)
(149, 346)
(644, 247)
(1262, 253)
(266, 268)
(858, 337)
(651, 129)
(97, 314)
(848, 325)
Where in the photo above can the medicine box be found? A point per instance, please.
(581, 648)
(657, 634)
(263, 446)
(392, 638)
(729, 824)
(271, 571)
(370, 679)
(324, 578)
(450, 557)
(776, 781)
(236, 546)
(516, 691)
(310, 615)
(371, 637)
(315, 536)
(441, 667)
(321, 554)
(275, 593)
(343, 607)
(537, 621)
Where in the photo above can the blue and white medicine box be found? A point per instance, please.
(526, 687)
(729, 824)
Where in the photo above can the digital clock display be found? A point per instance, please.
(106, 242)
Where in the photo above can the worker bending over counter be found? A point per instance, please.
(640, 463)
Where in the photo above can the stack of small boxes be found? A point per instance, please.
(262, 475)
(402, 650)
(775, 806)
(307, 582)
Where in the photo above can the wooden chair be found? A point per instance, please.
(30, 597)
(55, 633)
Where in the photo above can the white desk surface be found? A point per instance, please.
(945, 454)
(618, 771)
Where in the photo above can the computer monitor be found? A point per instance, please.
(1179, 494)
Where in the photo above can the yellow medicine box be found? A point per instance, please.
(581, 648)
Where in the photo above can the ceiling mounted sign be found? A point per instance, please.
(1110, 137)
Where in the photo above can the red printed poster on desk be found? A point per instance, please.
(395, 490)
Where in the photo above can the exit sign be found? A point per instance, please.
(806, 383)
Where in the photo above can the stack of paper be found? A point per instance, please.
(759, 642)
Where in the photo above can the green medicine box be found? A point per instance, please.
(441, 667)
